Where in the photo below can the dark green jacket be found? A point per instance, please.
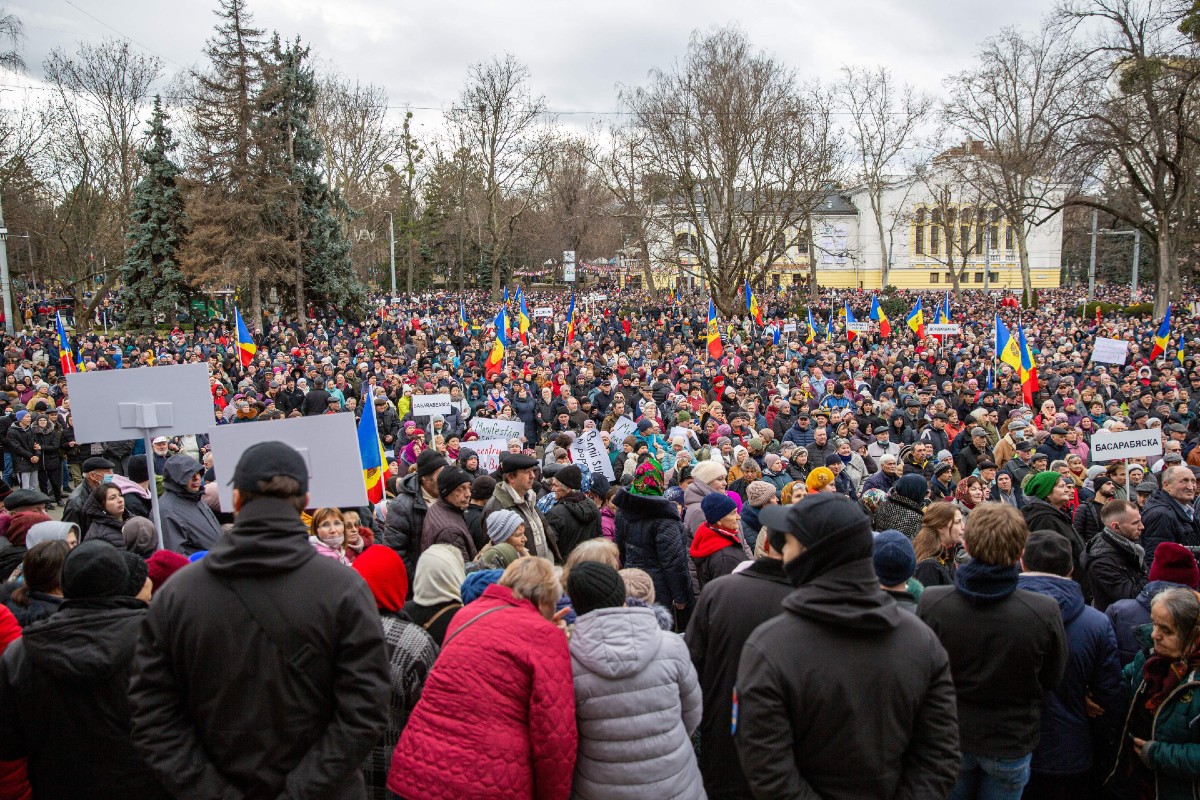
(1173, 752)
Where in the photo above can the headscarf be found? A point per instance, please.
(963, 495)
(383, 570)
(912, 487)
(440, 574)
(648, 479)
(871, 500)
(1041, 484)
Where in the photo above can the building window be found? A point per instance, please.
(994, 276)
(935, 231)
(919, 234)
(995, 236)
(1008, 237)
(979, 277)
(949, 277)
(964, 239)
(934, 277)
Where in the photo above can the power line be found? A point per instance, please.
(123, 35)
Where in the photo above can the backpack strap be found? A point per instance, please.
(471, 622)
(429, 623)
(297, 653)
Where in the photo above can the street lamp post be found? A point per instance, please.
(392, 249)
(5, 284)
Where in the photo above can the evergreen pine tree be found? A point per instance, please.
(152, 282)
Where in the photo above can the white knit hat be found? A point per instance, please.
(502, 524)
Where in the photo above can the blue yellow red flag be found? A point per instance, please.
(370, 450)
(245, 342)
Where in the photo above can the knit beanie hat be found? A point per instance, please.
(383, 570)
(483, 487)
(450, 479)
(592, 585)
(138, 572)
(1047, 551)
(162, 565)
(675, 495)
(476, 582)
(819, 478)
(140, 536)
(759, 493)
(570, 476)
(94, 569)
(638, 584)
(912, 487)
(1174, 563)
(716, 506)
(503, 524)
(894, 558)
(708, 471)
(20, 523)
(833, 529)
(1042, 483)
(429, 462)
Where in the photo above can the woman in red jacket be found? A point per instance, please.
(496, 718)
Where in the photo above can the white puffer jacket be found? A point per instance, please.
(637, 702)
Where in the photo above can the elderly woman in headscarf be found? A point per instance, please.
(437, 589)
(969, 493)
(904, 508)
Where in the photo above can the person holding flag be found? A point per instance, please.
(495, 360)
(523, 318)
(885, 326)
(752, 305)
(812, 328)
(66, 361)
(916, 320)
(1028, 373)
(715, 348)
(246, 347)
(370, 450)
(1163, 336)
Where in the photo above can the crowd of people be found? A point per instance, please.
(805, 565)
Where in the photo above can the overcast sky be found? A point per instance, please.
(578, 51)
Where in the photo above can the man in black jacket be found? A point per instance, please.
(250, 683)
(821, 709)
(729, 610)
(1170, 515)
(1007, 649)
(574, 517)
(24, 449)
(1114, 561)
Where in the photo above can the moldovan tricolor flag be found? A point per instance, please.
(370, 450)
(752, 305)
(715, 348)
(495, 359)
(571, 320)
(245, 342)
(812, 329)
(66, 361)
(916, 320)
(885, 327)
(1006, 346)
(1163, 335)
(1029, 378)
(850, 318)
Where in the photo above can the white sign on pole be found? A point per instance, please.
(859, 327)
(1110, 351)
(543, 313)
(1108, 446)
(623, 427)
(113, 404)
(589, 449)
(328, 443)
(789, 327)
(569, 266)
(943, 329)
(489, 452)
(497, 428)
(426, 405)
(683, 434)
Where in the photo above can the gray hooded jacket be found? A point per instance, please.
(637, 702)
(188, 525)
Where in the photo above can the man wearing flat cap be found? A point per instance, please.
(514, 492)
(261, 669)
(820, 708)
(94, 471)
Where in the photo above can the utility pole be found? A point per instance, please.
(1092, 261)
(392, 249)
(1137, 246)
(5, 283)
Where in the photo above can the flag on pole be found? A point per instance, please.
(752, 305)
(715, 348)
(775, 338)
(1163, 335)
(885, 326)
(523, 323)
(812, 328)
(463, 322)
(245, 342)
(571, 320)
(990, 384)
(916, 320)
(1029, 377)
(495, 359)
(370, 450)
(66, 361)
(1006, 346)
(946, 316)
(829, 330)
(850, 318)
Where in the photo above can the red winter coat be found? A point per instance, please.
(496, 719)
(14, 779)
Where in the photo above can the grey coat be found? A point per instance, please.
(188, 525)
(637, 702)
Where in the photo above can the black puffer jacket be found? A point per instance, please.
(102, 525)
(39, 607)
(1166, 522)
(575, 519)
(651, 537)
(1041, 516)
(64, 698)
(405, 521)
(1114, 568)
(830, 658)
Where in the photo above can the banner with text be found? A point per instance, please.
(1107, 446)
(589, 449)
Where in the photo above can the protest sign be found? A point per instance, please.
(489, 452)
(623, 427)
(1110, 351)
(683, 433)
(498, 428)
(943, 329)
(860, 327)
(1108, 446)
(589, 449)
(543, 313)
(789, 327)
(426, 405)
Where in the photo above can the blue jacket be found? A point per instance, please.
(1127, 616)
(801, 437)
(1066, 744)
(650, 536)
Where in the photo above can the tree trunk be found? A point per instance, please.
(884, 247)
(409, 246)
(1166, 287)
(647, 271)
(1023, 255)
(256, 301)
(301, 311)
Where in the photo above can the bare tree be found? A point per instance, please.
(357, 136)
(1140, 131)
(957, 214)
(501, 123)
(748, 155)
(887, 123)
(1021, 104)
(625, 168)
(12, 32)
